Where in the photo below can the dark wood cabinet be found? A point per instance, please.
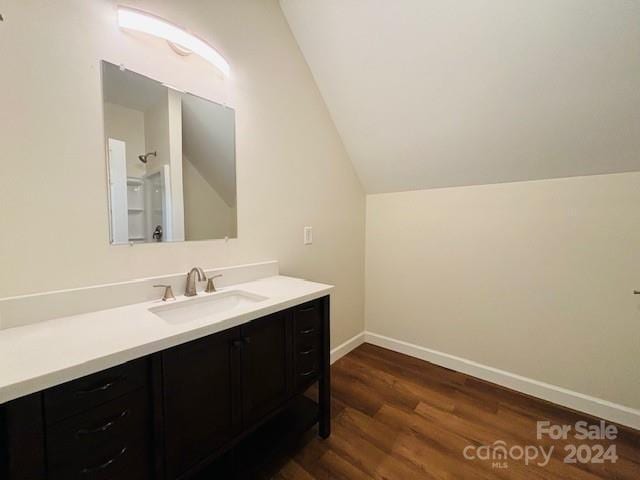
(110, 441)
(22, 447)
(88, 392)
(266, 365)
(96, 428)
(169, 415)
(307, 343)
(201, 392)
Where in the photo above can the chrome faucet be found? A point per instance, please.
(190, 290)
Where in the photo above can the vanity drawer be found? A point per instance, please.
(307, 366)
(110, 441)
(307, 363)
(127, 461)
(307, 331)
(307, 320)
(88, 392)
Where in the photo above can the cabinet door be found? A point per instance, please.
(266, 365)
(201, 391)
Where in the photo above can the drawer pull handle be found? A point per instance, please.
(308, 309)
(102, 428)
(307, 352)
(102, 388)
(307, 332)
(105, 465)
(306, 374)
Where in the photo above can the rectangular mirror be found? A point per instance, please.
(171, 161)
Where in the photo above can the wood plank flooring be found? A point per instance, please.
(399, 418)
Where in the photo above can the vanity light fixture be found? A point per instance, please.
(181, 41)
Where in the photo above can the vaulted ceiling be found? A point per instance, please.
(433, 93)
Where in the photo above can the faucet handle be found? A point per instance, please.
(211, 287)
(168, 292)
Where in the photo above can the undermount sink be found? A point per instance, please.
(206, 306)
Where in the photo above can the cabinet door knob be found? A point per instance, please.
(236, 343)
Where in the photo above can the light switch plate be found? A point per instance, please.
(308, 235)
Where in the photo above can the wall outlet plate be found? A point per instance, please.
(308, 235)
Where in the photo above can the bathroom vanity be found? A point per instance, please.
(229, 384)
(111, 382)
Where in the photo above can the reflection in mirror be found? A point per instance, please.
(171, 161)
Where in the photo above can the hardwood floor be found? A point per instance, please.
(396, 417)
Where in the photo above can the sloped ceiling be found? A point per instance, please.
(208, 142)
(433, 93)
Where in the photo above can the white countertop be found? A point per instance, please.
(48, 353)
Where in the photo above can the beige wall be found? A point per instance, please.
(534, 278)
(163, 124)
(292, 168)
(206, 214)
(156, 120)
(127, 125)
(435, 93)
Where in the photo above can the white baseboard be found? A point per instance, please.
(351, 344)
(561, 396)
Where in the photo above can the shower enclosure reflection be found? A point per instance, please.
(171, 161)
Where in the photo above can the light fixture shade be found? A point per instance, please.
(144, 22)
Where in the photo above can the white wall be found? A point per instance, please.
(292, 168)
(534, 278)
(174, 105)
